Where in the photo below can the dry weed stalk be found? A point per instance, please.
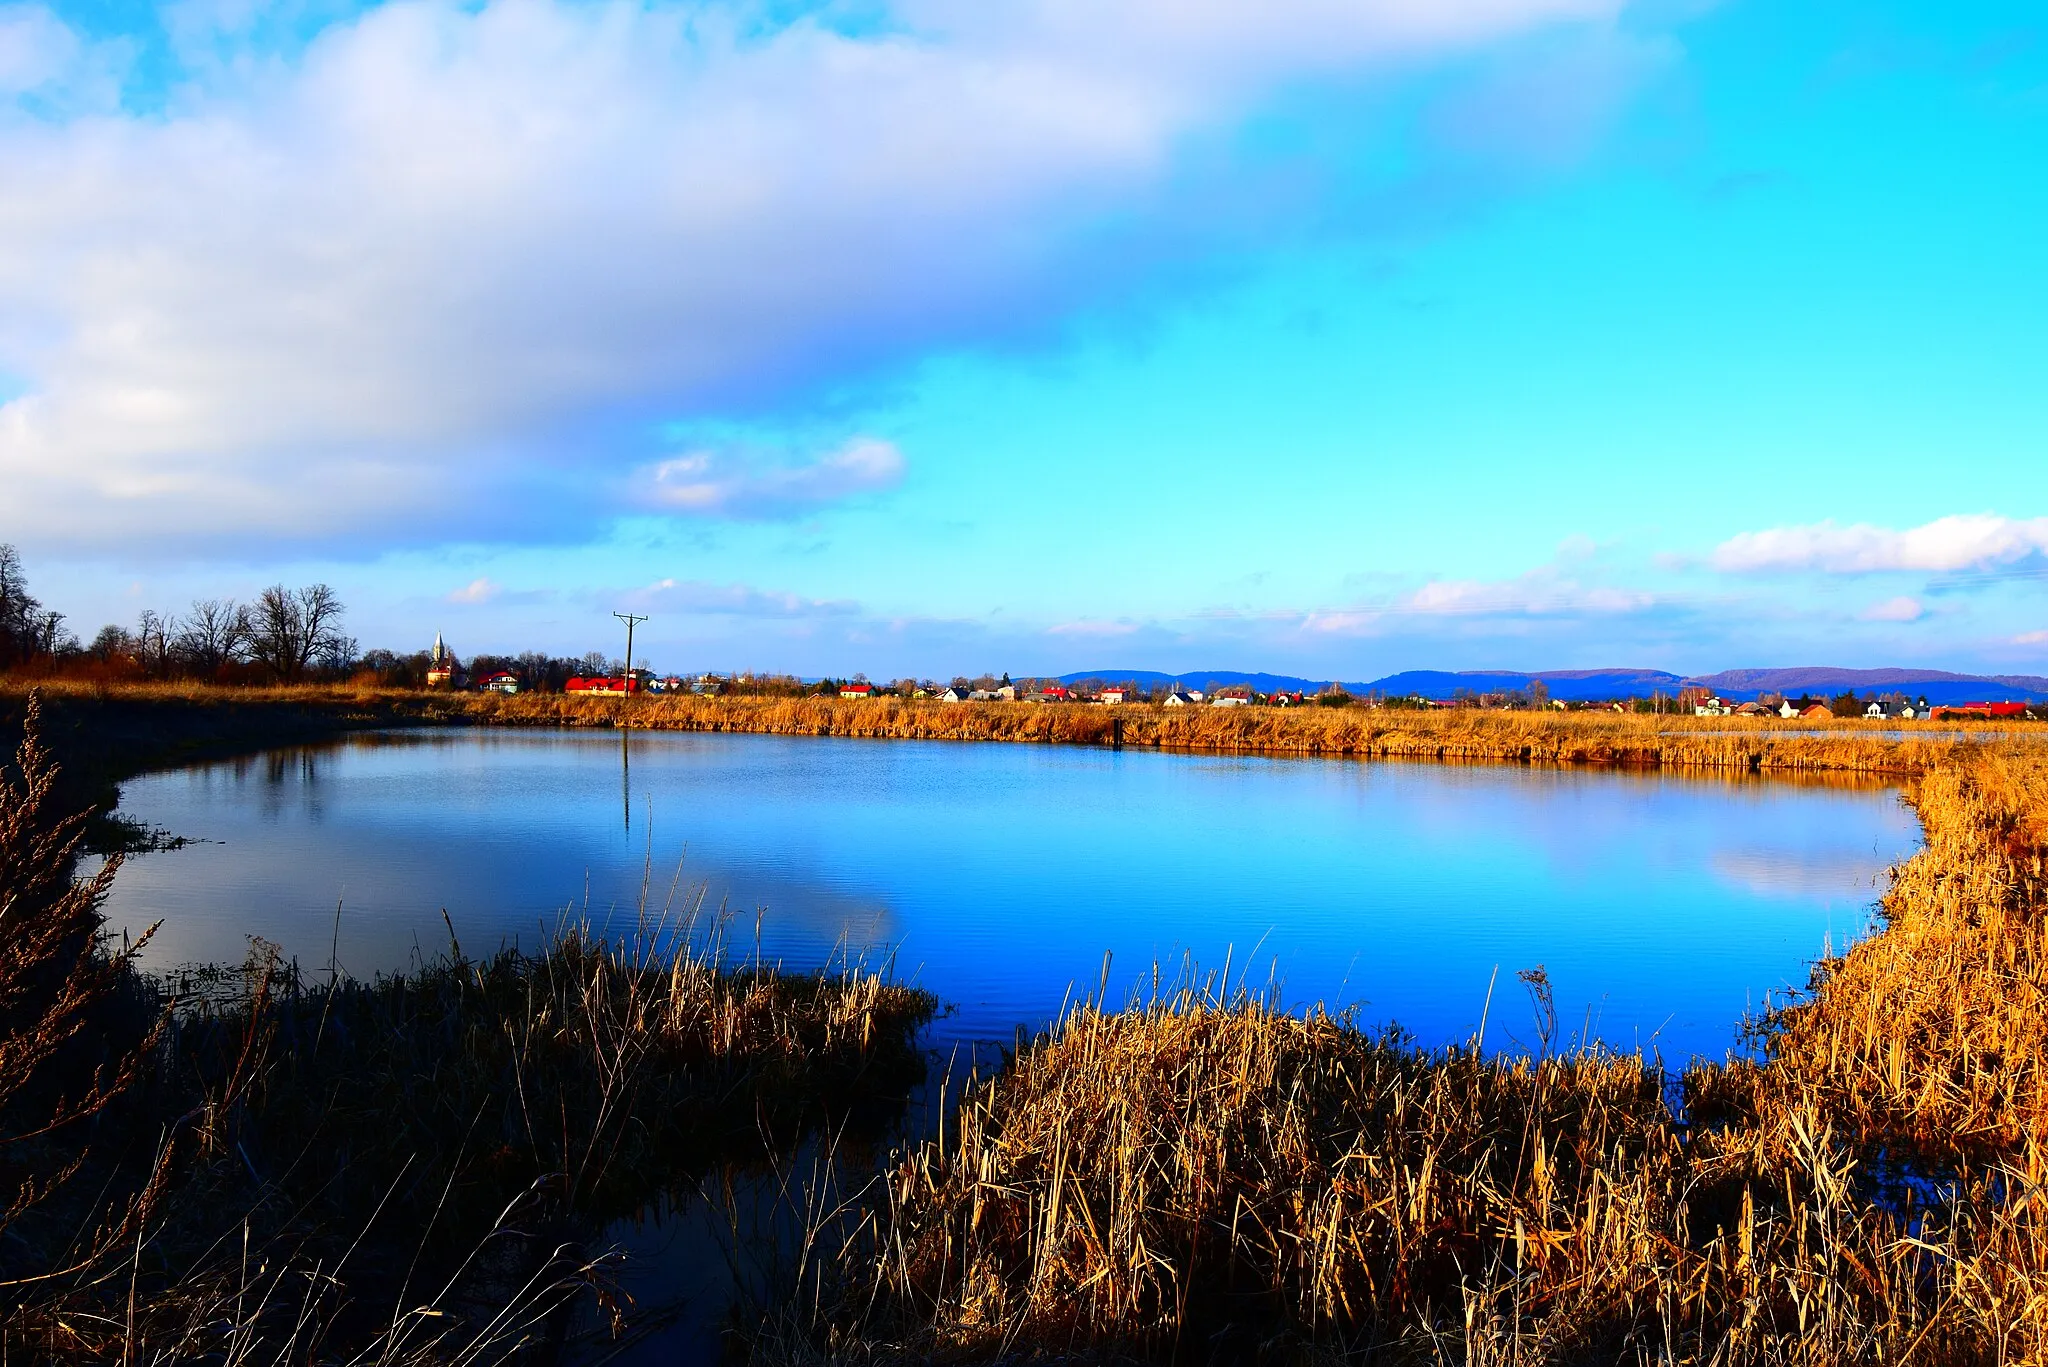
(410, 1170)
(1205, 1178)
(1578, 738)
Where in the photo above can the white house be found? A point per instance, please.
(1177, 698)
(1112, 696)
(954, 695)
(1229, 702)
(1787, 710)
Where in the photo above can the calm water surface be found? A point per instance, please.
(999, 875)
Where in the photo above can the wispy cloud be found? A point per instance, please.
(1900, 609)
(475, 591)
(1541, 593)
(442, 248)
(1961, 542)
(696, 597)
(1085, 629)
(726, 483)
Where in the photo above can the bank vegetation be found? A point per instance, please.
(1199, 1177)
(175, 722)
(244, 1164)
(1196, 1176)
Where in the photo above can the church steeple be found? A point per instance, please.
(442, 666)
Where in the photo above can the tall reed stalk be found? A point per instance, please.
(1202, 1177)
(414, 1169)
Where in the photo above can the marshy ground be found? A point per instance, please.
(421, 1168)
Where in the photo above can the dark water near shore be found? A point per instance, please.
(1664, 907)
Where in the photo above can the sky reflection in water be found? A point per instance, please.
(1663, 907)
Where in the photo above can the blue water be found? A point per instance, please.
(1663, 907)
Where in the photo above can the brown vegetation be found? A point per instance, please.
(1357, 732)
(175, 722)
(243, 1166)
(1202, 1178)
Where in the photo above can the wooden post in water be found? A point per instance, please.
(1116, 733)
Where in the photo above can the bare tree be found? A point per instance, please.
(113, 645)
(288, 629)
(214, 633)
(20, 613)
(153, 644)
(48, 636)
(340, 654)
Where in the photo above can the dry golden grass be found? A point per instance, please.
(1511, 737)
(1205, 1178)
(408, 1170)
(1208, 1179)
(1733, 745)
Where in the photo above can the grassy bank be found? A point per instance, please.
(111, 733)
(241, 1166)
(1198, 1177)
(1204, 1179)
(1354, 732)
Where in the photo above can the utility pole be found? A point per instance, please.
(631, 621)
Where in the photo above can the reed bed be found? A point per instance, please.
(123, 728)
(1196, 1177)
(242, 1166)
(1202, 1178)
(1574, 738)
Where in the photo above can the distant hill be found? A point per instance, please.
(1584, 685)
(1936, 685)
(1569, 685)
(1208, 680)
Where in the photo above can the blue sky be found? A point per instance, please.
(1333, 338)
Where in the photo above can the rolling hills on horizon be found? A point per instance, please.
(1584, 685)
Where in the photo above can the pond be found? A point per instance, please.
(1663, 907)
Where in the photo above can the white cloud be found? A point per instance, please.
(448, 262)
(1092, 629)
(47, 67)
(1539, 593)
(696, 597)
(1529, 594)
(714, 483)
(475, 591)
(2031, 638)
(1901, 609)
(1961, 542)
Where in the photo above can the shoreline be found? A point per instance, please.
(116, 733)
(1568, 1188)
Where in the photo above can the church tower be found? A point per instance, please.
(442, 666)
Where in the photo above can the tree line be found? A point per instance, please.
(283, 635)
(287, 635)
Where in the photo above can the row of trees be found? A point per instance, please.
(285, 634)
(288, 634)
(27, 630)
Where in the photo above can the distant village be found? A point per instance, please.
(293, 636)
(443, 670)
